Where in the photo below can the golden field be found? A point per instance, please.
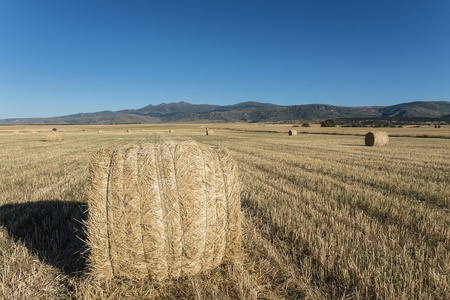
(324, 217)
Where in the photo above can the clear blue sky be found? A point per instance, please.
(62, 57)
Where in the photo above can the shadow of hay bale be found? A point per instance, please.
(53, 230)
(354, 145)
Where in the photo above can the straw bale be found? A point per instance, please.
(53, 136)
(377, 138)
(100, 132)
(99, 235)
(233, 205)
(292, 132)
(209, 132)
(163, 211)
(116, 212)
(170, 130)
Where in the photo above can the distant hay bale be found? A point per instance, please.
(53, 136)
(162, 211)
(100, 132)
(128, 130)
(292, 132)
(170, 130)
(377, 138)
(209, 132)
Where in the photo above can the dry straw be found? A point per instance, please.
(100, 132)
(377, 138)
(292, 132)
(170, 130)
(209, 131)
(53, 136)
(162, 211)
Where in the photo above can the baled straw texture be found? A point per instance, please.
(162, 211)
(209, 132)
(292, 132)
(377, 138)
(53, 136)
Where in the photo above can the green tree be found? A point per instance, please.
(329, 123)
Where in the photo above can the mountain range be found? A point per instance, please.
(184, 112)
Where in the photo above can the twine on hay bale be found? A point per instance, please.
(53, 136)
(377, 138)
(162, 211)
(292, 132)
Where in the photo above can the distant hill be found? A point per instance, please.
(243, 112)
(437, 109)
(166, 109)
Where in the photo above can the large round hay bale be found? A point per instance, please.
(162, 211)
(53, 136)
(292, 132)
(377, 138)
(100, 132)
(209, 132)
(170, 130)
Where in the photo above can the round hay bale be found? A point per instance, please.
(53, 136)
(209, 132)
(162, 211)
(292, 132)
(170, 130)
(128, 130)
(377, 138)
(100, 132)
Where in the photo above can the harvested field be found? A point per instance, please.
(324, 216)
